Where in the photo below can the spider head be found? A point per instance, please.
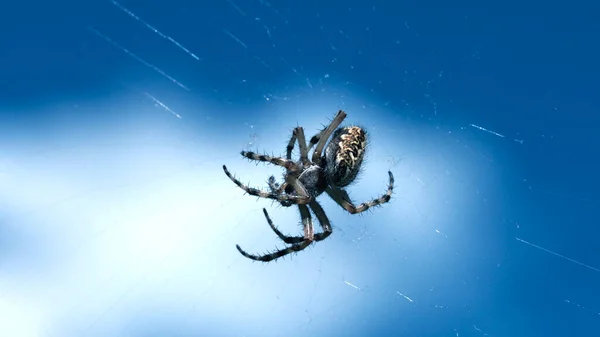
(344, 155)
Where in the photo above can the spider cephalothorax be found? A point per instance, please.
(306, 179)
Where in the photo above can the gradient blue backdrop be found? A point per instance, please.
(117, 220)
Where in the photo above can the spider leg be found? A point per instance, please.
(298, 187)
(285, 238)
(276, 254)
(285, 163)
(323, 221)
(281, 197)
(296, 247)
(297, 135)
(290, 146)
(315, 139)
(321, 138)
(309, 230)
(280, 190)
(298, 243)
(299, 132)
(341, 198)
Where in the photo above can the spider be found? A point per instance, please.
(306, 179)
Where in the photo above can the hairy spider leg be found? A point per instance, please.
(315, 139)
(308, 228)
(323, 220)
(285, 238)
(285, 163)
(296, 241)
(307, 224)
(341, 197)
(299, 132)
(277, 254)
(298, 187)
(288, 163)
(321, 217)
(296, 199)
(290, 180)
(290, 146)
(273, 185)
(320, 139)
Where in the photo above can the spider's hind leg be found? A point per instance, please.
(276, 254)
(297, 243)
(341, 197)
(325, 225)
(287, 239)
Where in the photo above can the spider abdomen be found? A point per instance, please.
(344, 155)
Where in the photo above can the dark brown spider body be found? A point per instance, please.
(339, 167)
(332, 166)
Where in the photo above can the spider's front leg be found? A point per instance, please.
(300, 198)
(283, 162)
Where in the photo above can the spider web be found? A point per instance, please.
(117, 220)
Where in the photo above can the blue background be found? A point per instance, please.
(116, 218)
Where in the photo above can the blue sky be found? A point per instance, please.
(117, 220)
